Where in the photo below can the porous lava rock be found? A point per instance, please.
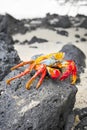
(8, 55)
(47, 108)
(42, 109)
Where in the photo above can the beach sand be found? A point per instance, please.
(54, 44)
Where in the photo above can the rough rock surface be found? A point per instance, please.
(44, 109)
(8, 55)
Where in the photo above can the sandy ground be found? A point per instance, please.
(54, 44)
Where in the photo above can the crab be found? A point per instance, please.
(52, 64)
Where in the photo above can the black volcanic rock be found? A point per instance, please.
(6, 38)
(42, 109)
(83, 39)
(77, 35)
(63, 32)
(84, 23)
(85, 34)
(81, 112)
(8, 55)
(10, 25)
(64, 22)
(36, 39)
(81, 123)
(56, 21)
(79, 21)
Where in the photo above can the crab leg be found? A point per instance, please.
(74, 75)
(71, 70)
(22, 64)
(27, 71)
(41, 79)
(65, 75)
(41, 69)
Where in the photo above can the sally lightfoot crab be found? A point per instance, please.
(54, 64)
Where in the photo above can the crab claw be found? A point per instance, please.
(71, 69)
(54, 73)
(41, 69)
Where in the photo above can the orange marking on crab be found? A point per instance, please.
(54, 64)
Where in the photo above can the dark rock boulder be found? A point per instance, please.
(79, 21)
(56, 21)
(84, 23)
(85, 34)
(8, 55)
(44, 109)
(82, 114)
(64, 22)
(77, 120)
(63, 32)
(24, 42)
(33, 40)
(10, 25)
(83, 39)
(36, 39)
(77, 35)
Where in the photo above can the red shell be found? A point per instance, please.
(55, 74)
